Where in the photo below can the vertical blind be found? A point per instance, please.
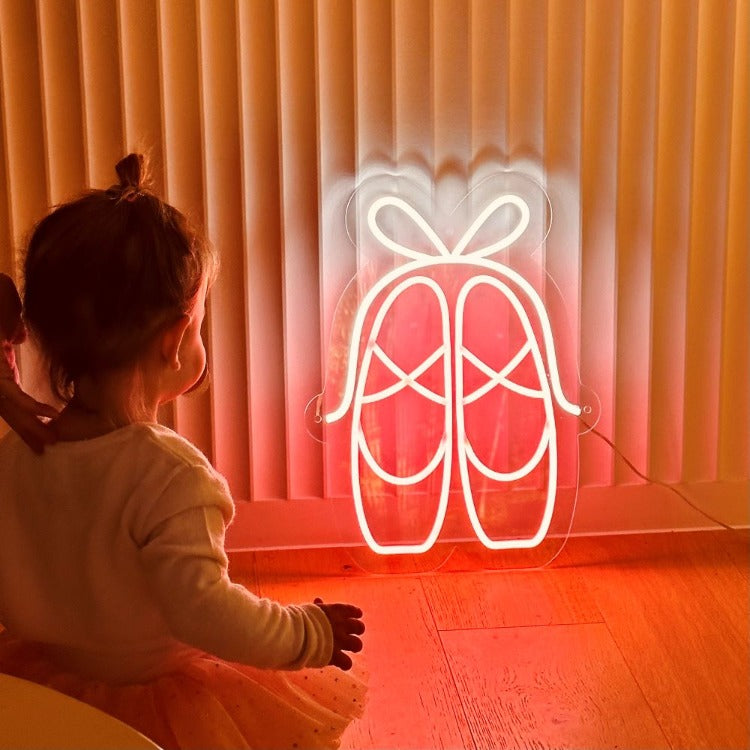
(258, 115)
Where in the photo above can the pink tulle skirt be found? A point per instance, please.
(210, 704)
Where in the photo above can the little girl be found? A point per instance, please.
(113, 576)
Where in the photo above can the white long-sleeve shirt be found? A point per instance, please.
(112, 554)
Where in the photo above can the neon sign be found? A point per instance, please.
(452, 356)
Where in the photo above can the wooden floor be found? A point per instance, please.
(623, 642)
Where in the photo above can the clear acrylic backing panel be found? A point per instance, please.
(452, 403)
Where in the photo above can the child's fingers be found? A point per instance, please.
(339, 610)
(45, 410)
(33, 432)
(354, 626)
(345, 611)
(349, 643)
(341, 660)
(21, 412)
(32, 406)
(347, 626)
(11, 391)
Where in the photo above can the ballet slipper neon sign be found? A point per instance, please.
(486, 272)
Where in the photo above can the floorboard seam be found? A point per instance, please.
(521, 625)
(448, 665)
(638, 685)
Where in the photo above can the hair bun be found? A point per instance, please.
(130, 171)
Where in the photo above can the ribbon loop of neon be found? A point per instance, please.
(477, 255)
(503, 476)
(425, 261)
(501, 244)
(392, 478)
(415, 216)
(500, 378)
(406, 379)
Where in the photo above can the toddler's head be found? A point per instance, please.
(105, 273)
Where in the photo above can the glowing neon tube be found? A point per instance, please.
(354, 384)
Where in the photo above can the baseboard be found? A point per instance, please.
(637, 508)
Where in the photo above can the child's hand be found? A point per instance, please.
(22, 413)
(347, 625)
(17, 408)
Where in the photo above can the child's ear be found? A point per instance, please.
(171, 339)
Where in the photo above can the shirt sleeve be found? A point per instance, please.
(185, 563)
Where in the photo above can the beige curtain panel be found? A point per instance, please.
(632, 113)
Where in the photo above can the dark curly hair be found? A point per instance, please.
(104, 273)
